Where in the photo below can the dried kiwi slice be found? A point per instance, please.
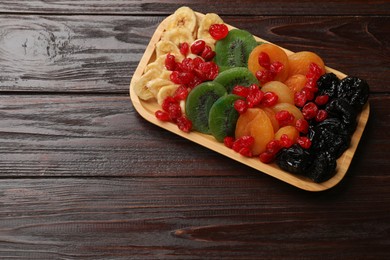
(234, 49)
(223, 117)
(199, 103)
(236, 76)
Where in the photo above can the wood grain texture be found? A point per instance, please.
(192, 218)
(61, 135)
(230, 7)
(100, 53)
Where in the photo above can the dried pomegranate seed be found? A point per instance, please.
(309, 111)
(244, 141)
(162, 115)
(304, 142)
(184, 124)
(168, 101)
(285, 141)
(276, 67)
(186, 77)
(198, 46)
(322, 100)
(208, 54)
(218, 31)
(184, 48)
(197, 61)
(228, 141)
(195, 82)
(241, 91)
(241, 106)
(273, 147)
(300, 99)
(266, 157)
(302, 126)
(308, 93)
(186, 65)
(321, 115)
(255, 95)
(264, 76)
(209, 70)
(174, 111)
(284, 118)
(264, 60)
(170, 62)
(181, 93)
(269, 99)
(245, 151)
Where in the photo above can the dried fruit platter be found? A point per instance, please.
(147, 110)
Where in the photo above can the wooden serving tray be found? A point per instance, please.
(147, 108)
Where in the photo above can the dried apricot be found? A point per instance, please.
(299, 62)
(275, 54)
(296, 82)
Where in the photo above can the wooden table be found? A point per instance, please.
(83, 175)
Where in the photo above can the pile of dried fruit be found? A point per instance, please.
(252, 96)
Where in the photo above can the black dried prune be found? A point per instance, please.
(354, 90)
(330, 136)
(340, 108)
(323, 167)
(294, 159)
(327, 85)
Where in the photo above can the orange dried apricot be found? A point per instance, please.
(299, 62)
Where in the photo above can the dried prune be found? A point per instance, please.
(340, 108)
(354, 90)
(323, 167)
(328, 85)
(294, 159)
(330, 136)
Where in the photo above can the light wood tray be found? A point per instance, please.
(147, 109)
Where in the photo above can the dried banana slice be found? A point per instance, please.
(204, 25)
(165, 92)
(178, 35)
(183, 17)
(164, 47)
(156, 84)
(140, 86)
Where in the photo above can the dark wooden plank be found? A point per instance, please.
(245, 7)
(59, 135)
(193, 218)
(100, 53)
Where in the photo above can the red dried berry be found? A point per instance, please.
(273, 147)
(174, 111)
(285, 141)
(300, 99)
(275, 68)
(198, 46)
(184, 124)
(302, 126)
(309, 111)
(244, 141)
(284, 118)
(209, 70)
(228, 141)
(181, 93)
(170, 62)
(264, 76)
(162, 115)
(241, 91)
(321, 115)
(255, 95)
(264, 60)
(266, 157)
(208, 54)
(245, 151)
(269, 99)
(322, 100)
(218, 31)
(308, 93)
(304, 142)
(168, 101)
(184, 48)
(241, 106)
